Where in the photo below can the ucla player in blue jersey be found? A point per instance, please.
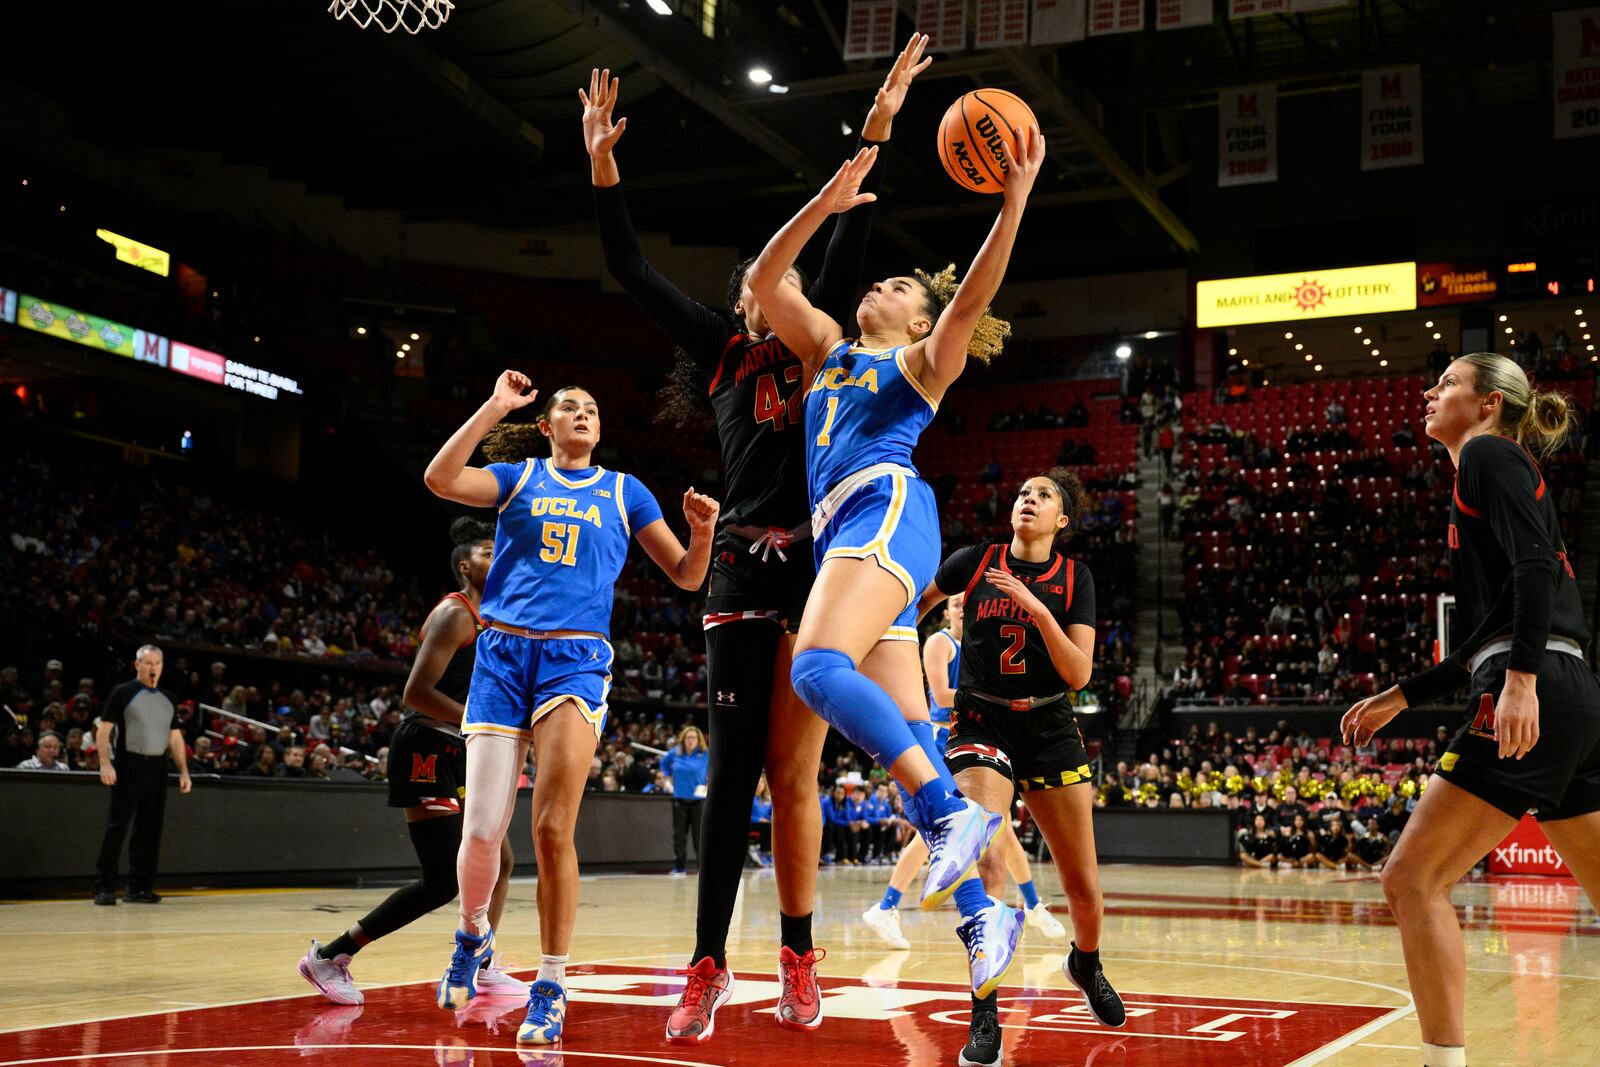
(543, 670)
(875, 523)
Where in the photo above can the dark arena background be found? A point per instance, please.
(259, 261)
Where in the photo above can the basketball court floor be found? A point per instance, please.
(1217, 966)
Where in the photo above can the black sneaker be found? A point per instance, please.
(983, 1039)
(1084, 971)
(142, 896)
(105, 897)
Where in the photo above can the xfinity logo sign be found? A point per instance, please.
(1518, 855)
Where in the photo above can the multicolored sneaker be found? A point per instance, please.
(991, 937)
(705, 988)
(1084, 971)
(460, 981)
(885, 922)
(1040, 919)
(494, 982)
(956, 841)
(331, 976)
(547, 1013)
(800, 1003)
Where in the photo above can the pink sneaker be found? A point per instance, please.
(695, 1017)
(331, 977)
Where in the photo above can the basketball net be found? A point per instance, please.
(390, 15)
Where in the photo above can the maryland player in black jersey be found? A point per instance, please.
(761, 564)
(1531, 735)
(427, 778)
(1028, 640)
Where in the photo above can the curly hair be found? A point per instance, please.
(988, 336)
(513, 442)
(1074, 497)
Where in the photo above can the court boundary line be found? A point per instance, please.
(557, 1053)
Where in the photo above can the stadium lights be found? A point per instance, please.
(1309, 357)
(776, 88)
(760, 75)
(1288, 335)
(1583, 325)
(405, 348)
(1428, 325)
(1298, 346)
(1244, 363)
(1377, 352)
(416, 337)
(1151, 335)
(1366, 340)
(1383, 363)
(1123, 351)
(257, 339)
(399, 355)
(844, 128)
(1437, 335)
(1317, 368)
(1579, 311)
(361, 331)
(1233, 351)
(659, 7)
(1358, 329)
(1508, 329)
(1502, 318)
(24, 181)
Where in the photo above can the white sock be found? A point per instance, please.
(1444, 1055)
(553, 969)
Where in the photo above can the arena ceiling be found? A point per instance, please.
(479, 120)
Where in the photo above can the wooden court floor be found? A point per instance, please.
(1217, 966)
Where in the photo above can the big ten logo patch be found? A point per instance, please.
(1483, 719)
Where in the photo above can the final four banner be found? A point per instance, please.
(1001, 23)
(869, 29)
(1391, 117)
(1115, 16)
(1179, 14)
(1576, 37)
(1247, 135)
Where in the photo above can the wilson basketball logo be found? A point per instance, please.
(424, 768)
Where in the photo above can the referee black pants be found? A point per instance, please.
(686, 826)
(139, 799)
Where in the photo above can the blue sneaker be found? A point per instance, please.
(460, 982)
(956, 839)
(547, 1011)
(991, 937)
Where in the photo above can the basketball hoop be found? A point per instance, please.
(390, 15)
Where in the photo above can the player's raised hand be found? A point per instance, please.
(513, 390)
(1023, 166)
(1016, 589)
(843, 190)
(701, 511)
(907, 65)
(600, 134)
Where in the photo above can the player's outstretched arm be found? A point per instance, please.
(449, 627)
(944, 351)
(448, 475)
(685, 566)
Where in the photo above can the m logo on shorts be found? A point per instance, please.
(1483, 721)
(424, 768)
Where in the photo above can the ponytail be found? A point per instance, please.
(1545, 424)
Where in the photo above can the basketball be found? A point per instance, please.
(971, 133)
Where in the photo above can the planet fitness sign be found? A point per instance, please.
(1323, 294)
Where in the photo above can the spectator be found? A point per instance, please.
(1165, 443)
(47, 756)
(1334, 412)
(265, 765)
(686, 764)
(294, 762)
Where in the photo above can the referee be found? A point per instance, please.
(138, 726)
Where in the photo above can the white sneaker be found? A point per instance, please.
(331, 977)
(1039, 918)
(493, 982)
(885, 922)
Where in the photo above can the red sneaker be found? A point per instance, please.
(800, 1005)
(695, 1017)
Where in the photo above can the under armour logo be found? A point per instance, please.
(727, 698)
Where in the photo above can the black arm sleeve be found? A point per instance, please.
(955, 573)
(116, 703)
(697, 329)
(838, 288)
(1502, 480)
(1437, 682)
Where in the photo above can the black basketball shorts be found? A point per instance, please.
(427, 768)
(1037, 749)
(763, 583)
(1560, 775)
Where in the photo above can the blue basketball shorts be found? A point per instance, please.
(895, 521)
(519, 680)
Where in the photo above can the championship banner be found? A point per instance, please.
(869, 29)
(945, 23)
(1115, 16)
(1247, 135)
(1455, 283)
(1526, 850)
(1391, 117)
(1059, 21)
(1577, 71)
(1243, 9)
(1311, 294)
(1001, 23)
(79, 327)
(1180, 14)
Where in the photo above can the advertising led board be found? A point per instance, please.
(1312, 294)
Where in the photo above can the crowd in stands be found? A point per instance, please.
(1293, 799)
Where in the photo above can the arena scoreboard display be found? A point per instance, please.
(1557, 274)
